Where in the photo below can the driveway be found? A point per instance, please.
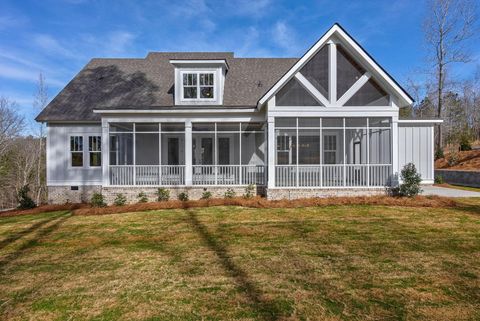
(448, 192)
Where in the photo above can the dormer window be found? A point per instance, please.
(198, 85)
(199, 82)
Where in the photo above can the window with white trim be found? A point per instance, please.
(198, 85)
(76, 151)
(95, 151)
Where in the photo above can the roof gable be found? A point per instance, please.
(338, 35)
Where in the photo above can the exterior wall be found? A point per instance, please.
(59, 170)
(465, 178)
(296, 193)
(415, 145)
(65, 194)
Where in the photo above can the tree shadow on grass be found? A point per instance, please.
(42, 233)
(266, 309)
(25, 232)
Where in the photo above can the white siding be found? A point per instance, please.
(415, 145)
(59, 171)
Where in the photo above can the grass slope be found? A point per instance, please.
(224, 263)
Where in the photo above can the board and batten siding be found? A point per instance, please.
(59, 169)
(415, 145)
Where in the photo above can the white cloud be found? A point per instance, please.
(285, 38)
(51, 45)
(11, 72)
(119, 42)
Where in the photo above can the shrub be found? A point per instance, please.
(183, 196)
(452, 159)
(230, 193)
(439, 153)
(120, 200)
(411, 180)
(439, 179)
(206, 195)
(163, 194)
(465, 141)
(97, 200)
(25, 202)
(249, 191)
(142, 197)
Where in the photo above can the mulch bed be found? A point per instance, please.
(256, 202)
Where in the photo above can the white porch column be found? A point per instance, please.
(188, 153)
(395, 169)
(271, 152)
(105, 154)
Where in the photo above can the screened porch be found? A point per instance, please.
(154, 154)
(333, 152)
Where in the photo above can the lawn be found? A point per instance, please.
(224, 263)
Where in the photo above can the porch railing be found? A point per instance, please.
(364, 175)
(147, 175)
(228, 175)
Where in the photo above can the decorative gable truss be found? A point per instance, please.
(336, 72)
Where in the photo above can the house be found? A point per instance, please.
(324, 124)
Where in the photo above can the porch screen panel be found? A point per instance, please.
(356, 146)
(253, 148)
(348, 71)
(293, 94)
(228, 148)
(286, 146)
(173, 148)
(147, 149)
(370, 94)
(308, 147)
(121, 149)
(316, 71)
(380, 146)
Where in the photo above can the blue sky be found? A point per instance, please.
(58, 37)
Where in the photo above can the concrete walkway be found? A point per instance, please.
(448, 192)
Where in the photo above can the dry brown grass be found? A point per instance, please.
(44, 209)
(467, 160)
(238, 263)
(258, 202)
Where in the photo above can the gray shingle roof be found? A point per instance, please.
(148, 84)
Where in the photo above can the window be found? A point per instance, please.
(198, 85)
(76, 151)
(330, 149)
(95, 150)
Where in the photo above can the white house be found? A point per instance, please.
(325, 124)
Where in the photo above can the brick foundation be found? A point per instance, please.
(65, 194)
(295, 193)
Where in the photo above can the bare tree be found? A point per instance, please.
(447, 27)
(11, 124)
(40, 101)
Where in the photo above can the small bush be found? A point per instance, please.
(163, 194)
(465, 142)
(25, 202)
(411, 180)
(452, 159)
(142, 197)
(206, 195)
(439, 179)
(120, 200)
(230, 193)
(439, 153)
(249, 191)
(183, 196)
(98, 200)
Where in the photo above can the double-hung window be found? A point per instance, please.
(198, 85)
(76, 151)
(95, 150)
